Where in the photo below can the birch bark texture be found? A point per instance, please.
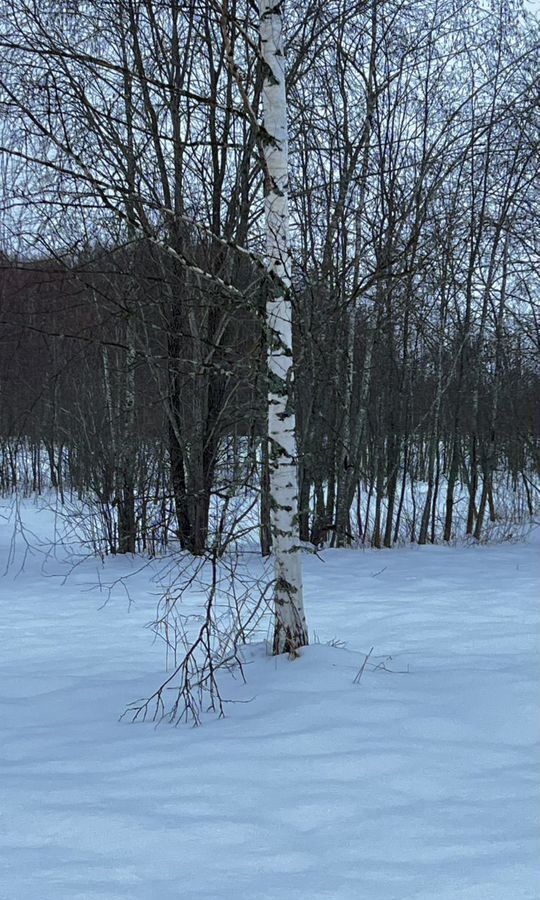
(290, 630)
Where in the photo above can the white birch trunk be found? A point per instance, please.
(290, 623)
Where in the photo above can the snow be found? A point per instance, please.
(420, 781)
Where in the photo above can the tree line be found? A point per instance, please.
(133, 294)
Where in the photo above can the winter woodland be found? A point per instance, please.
(270, 299)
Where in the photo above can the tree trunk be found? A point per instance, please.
(266, 535)
(290, 624)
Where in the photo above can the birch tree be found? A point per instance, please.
(290, 624)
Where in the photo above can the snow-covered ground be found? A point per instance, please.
(421, 782)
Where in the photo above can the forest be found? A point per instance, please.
(133, 291)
